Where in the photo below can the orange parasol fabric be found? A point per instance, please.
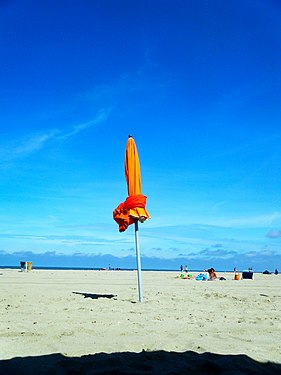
(133, 209)
(134, 206)
(132, 168)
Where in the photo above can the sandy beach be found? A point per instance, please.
(64, 322)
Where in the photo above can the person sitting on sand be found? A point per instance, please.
(212, 273)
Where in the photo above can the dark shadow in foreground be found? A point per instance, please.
(96, 296)
(158, 362)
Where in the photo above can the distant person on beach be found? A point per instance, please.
(212, 273)
(276, 271)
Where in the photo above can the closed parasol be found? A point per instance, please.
(133, 209)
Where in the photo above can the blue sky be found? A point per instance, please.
(197, 84)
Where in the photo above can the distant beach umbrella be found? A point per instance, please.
(133, 209)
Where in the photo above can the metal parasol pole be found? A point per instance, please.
(138, 259)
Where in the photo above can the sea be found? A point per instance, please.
(111, 269)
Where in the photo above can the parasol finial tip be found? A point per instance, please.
(130, 136)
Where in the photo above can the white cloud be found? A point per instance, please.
(219, 253)
(254, 221)
(34, 142)
(101, 117)
(24, 147)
